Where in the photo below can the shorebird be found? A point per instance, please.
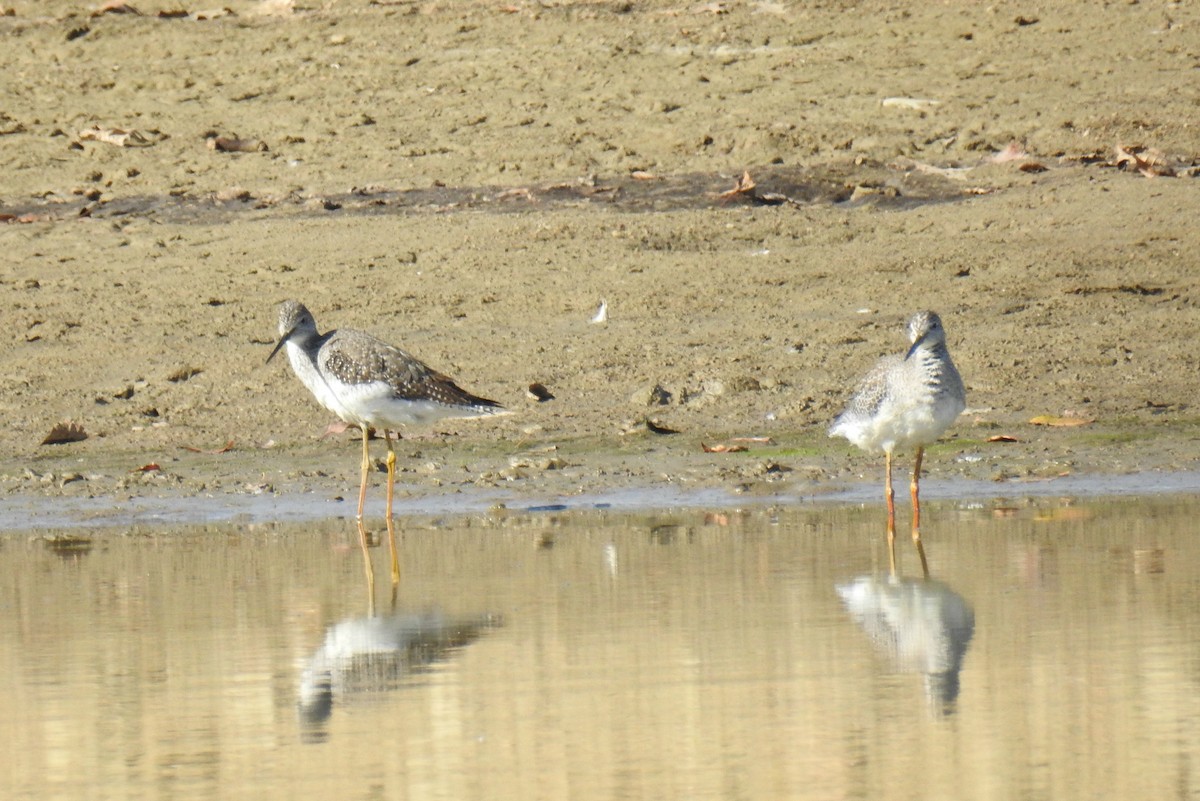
(371, 384)
(905, 400)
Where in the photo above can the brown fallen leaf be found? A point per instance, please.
(335, 428)
(212, 13)
(65, 432)
(146, 468)
(1051, 420)
(721, 447)
(183, 374)
(1150, 162)
(745, 186)
(116, 136)
(539, 393)
(1002, 438)
(1032, 166)
(227, 144)
(522, 192)
(228, 447)
(115, 7)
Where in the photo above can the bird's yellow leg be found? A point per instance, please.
(362, 487)
(890, 494)
(915, 489)
(391, 483)
(362, 529)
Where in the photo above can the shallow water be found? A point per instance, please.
(762, 654)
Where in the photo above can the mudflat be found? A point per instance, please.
(758, 193)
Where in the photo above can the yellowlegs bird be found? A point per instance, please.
(371, 384)
(905, 400)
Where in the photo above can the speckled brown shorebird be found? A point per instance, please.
(905, 400)
(371, 384)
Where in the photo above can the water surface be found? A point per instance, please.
(1051, 653)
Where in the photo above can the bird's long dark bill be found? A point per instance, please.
(282, 341)
(911, 350)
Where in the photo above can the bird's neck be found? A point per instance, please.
(928, 350)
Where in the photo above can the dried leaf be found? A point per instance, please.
(227, 144)
(1150, 162)
(117, 136)
(146, 468)
(65, 432)
(745, 186)
(183, 374)
(335, 428)
(1032, 166)
(1013, 151)
(522, 192)
(1002, 438)
(212, 13)
(955, 173)
(723, 448)
(912, 103)
(115, 7)
(1050, 420)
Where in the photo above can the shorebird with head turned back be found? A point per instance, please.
(371, 384)
(905, 400)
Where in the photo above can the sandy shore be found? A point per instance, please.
(472, 180)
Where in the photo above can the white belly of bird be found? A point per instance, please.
(375, 404)
(898, 424)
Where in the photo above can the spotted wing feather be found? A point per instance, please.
(870, 393)
(362, 359)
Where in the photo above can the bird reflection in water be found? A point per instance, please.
(919, 625)
(364, 657)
